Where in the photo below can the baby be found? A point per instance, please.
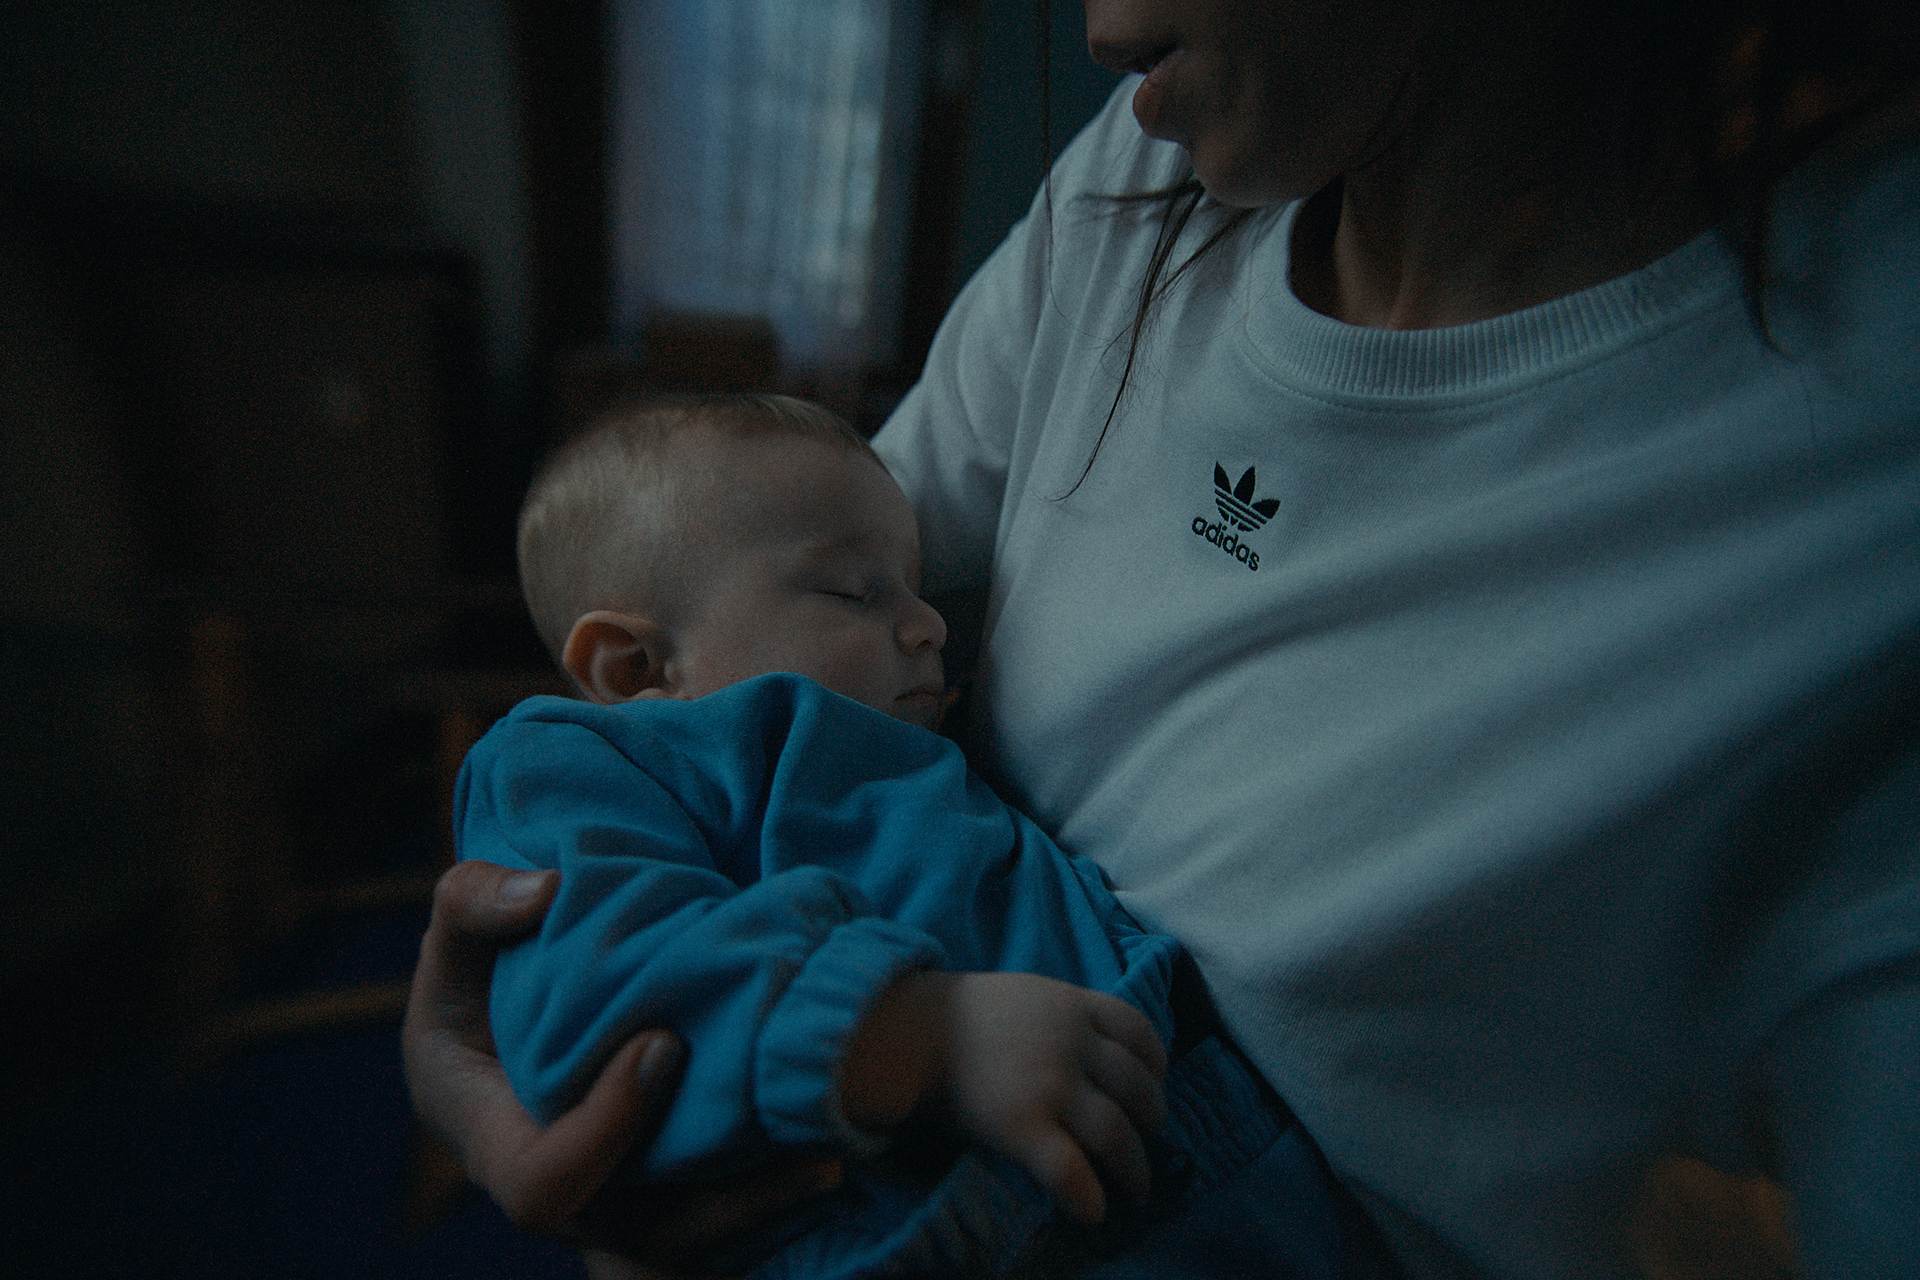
(763, 846)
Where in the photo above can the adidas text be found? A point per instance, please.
(1227, 541)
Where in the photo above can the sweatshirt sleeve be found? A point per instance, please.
(1846, 1091)
(1807, 1073)
(950, 440)
(1840, 1067)
(656, 924)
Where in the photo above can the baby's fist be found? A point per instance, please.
(1062, 1080)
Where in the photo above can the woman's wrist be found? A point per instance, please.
(895, 1057)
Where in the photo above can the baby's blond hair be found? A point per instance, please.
(602, 523)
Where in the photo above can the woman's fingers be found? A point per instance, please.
(544, 1178)
(547, 1181)
(488, 902)
(445, 1041)
(477, 908)
(551, 1179)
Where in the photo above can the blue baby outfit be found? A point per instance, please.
(751, 869)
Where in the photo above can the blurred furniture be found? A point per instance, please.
(463, 704)
(248, 880)
(306, 394)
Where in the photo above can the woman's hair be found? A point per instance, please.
(603, 522)
(1757, 85)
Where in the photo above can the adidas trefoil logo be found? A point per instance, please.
(1237, 505)
(1240, 510)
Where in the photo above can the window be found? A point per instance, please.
(762, 156)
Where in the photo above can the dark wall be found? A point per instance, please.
(283, 100)
(402, 114)
(1002, 170)
(262, 302)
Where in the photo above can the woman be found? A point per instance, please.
(1452, 562)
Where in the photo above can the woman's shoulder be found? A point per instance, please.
(1846, 253)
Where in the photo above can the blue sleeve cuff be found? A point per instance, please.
(804, 1040)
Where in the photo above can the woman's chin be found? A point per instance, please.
(1230, 180)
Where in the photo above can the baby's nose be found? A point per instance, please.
(922, 625)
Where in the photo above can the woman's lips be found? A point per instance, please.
(1128, 56)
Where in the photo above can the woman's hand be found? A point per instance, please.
(550, 1180)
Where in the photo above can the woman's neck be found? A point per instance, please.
(1486, 196)
(1502, 176)
(1505, 203)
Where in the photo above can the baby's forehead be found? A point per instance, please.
(745, 448)
(819, 494)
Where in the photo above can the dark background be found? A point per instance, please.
(292, 297)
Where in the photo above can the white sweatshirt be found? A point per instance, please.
(1518, 721)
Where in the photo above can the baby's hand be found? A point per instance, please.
(1062, 1080)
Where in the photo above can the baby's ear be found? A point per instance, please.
(615, 657)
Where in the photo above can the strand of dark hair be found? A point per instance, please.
(1178, 202)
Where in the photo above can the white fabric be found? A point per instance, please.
(1544, 797)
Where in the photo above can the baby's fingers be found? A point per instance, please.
(1063, 1171)
(1124, 1078)
(1119, 1021)
(1104, 1131)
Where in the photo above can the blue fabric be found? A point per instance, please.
(751, 869)
(1239, 1191)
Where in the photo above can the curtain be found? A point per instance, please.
(762, 152)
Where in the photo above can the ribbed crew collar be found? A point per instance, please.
(1327, 357)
